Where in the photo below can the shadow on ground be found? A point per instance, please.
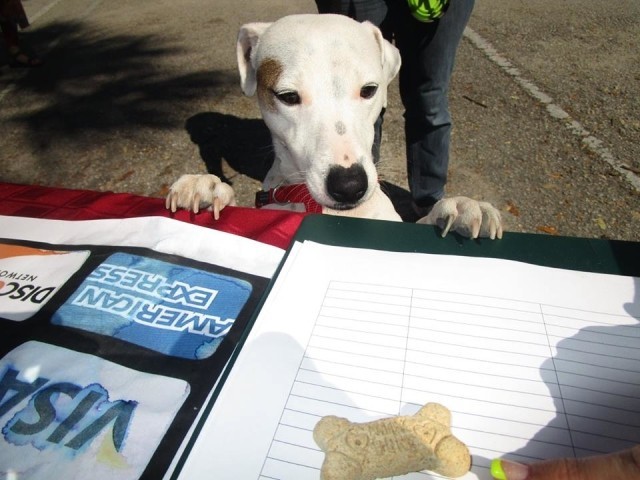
(92, 83)
(245, 144)
(97, 89)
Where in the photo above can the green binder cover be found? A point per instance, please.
(585, 254)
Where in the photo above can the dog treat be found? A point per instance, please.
(391, 446)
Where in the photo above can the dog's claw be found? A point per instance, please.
(491, 221)
(216, 208)
(448, 224)
(195, 206)
(465, 216)
(170, 203)
(195, 192)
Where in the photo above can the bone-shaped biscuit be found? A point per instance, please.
(391, 446)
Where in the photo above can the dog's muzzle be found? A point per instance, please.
(347, 186)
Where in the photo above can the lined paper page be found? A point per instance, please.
(533, 362)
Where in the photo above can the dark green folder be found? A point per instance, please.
(585, 254)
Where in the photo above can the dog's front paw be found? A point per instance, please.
(195, 192)
(465, 216)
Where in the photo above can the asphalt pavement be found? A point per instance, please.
(545, 101)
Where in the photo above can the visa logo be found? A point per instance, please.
(61, 414)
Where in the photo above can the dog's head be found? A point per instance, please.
(321, 82)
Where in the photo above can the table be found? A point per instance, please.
(274, 227)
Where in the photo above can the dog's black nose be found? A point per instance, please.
(347, 185)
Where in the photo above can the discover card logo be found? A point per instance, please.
(175, 310)
(30, 276)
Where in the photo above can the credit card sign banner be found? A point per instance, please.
(108, 353)
(178, 311)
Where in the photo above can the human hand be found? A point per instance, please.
(620, 465)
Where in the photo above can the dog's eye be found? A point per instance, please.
(368, 91)
(288, 97)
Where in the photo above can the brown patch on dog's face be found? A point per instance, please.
(267, 78)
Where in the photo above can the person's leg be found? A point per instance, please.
(11, 17)
(428, 55)
(376, 12)
(10, 35)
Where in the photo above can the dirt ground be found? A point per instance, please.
(545, 101)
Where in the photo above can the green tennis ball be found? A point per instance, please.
(427, 10)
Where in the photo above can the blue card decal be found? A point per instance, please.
(71, 415)
(172, 309)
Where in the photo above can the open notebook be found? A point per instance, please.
(533, 362)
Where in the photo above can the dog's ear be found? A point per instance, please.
(389, 55)
(248, 38)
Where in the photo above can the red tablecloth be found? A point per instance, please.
(268, 226)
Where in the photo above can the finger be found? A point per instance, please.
(625, 464)
(167, 201)
(174, 203)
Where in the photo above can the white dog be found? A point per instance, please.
(321, 82)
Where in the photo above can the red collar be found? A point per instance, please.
(284, 194)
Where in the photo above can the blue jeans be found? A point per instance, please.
(428, 53)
